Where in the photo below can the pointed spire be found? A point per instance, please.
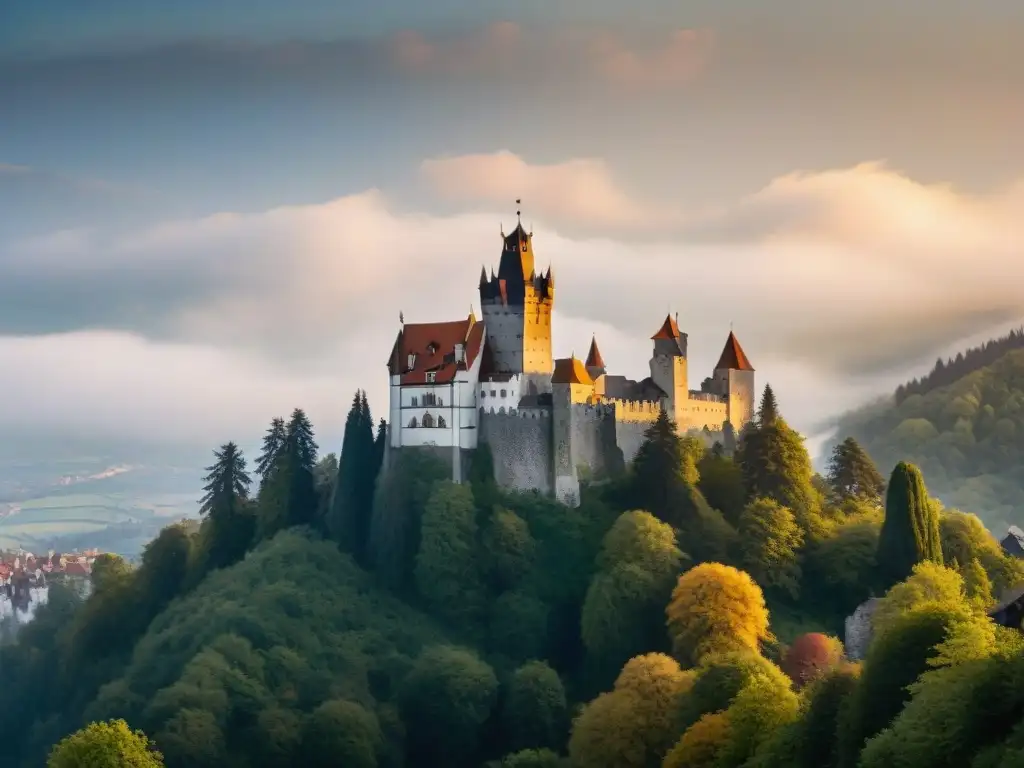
(483, 276)
(669, 329)
(733, 357)
(594, 359)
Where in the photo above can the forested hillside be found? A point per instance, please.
(686, 614)
(963, 424)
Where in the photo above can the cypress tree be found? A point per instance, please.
(352, 503)
(910, 530)
(380, 444)
(852, 474)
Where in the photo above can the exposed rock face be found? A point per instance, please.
(858, 630)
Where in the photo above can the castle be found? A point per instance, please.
(547, 422)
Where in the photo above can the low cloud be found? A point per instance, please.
(837, 284)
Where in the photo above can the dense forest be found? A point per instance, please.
(685, 614)
(963, 425)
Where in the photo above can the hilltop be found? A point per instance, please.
(963, 424)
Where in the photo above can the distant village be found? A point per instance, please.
(21, 572)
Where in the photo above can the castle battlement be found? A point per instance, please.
(635, 410)
(460, 384)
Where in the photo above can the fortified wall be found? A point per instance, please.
(520, 442)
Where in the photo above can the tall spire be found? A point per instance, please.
(594, 359)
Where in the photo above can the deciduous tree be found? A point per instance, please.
(106, 745)
(715, 607)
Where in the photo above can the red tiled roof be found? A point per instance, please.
(733, 357)
(433, 344)
(569, 370)
(669, 330)
(594, 359)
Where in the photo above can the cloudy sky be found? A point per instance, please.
(214, 211)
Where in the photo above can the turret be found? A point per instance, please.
(734, 380)
(595, 362)
(668, 369)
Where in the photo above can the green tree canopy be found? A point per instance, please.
(853, 475)
(348, 520)
(106, 745)
(769, 544)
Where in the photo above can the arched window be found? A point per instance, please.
(440, 422)
(428, 421)
(412, 423)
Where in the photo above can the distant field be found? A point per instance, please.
(38, 522)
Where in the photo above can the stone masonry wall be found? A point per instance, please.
(593, 436)
(520, 444)
(629, 436)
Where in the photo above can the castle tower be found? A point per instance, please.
(595, 366)
(516, 305)
(668, 369)
(734, 379)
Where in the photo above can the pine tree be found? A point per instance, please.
(910, 530)
(769, 410)
(658, 472)
(352, 503)
(380, 444)
(776, 465)
(288, 491)
(227, 531)
(300, 456)
(852, 474)
(273, 445)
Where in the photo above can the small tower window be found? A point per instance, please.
(440, 422)
(428, 421)
(412, 360)
(412, 423)
(504, 393)
(431, 377)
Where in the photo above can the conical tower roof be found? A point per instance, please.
(733, 357)
(594, 359)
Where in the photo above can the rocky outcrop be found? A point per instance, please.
(858, 630)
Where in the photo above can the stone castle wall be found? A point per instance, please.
(594, 440)
(629, 436)
(521, 446)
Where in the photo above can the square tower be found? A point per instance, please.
(516, 306)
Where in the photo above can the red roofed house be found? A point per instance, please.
(455, 385)
(434, 370)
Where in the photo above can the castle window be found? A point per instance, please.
(504, 393)
(412, 423)
(431, 348)
(483, 393)
(492, 393)
(440, 422)
(431, 377)
(415, 402)
(412, 360)
(428, 421)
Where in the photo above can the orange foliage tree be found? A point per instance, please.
(718, 608)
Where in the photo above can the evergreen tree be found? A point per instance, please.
(658, 472)
(769, 410)
(273, 445)
(348, 521)
(775, 464)
(380, 444)
(288, 491)
(852, 474)
(910, 530)
(227, 530)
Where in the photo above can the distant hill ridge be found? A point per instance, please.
(963, 425)
(948, 371)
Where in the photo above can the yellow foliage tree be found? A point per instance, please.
(702, 743)
(929, 584)
(715, 608)
(633, 725)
